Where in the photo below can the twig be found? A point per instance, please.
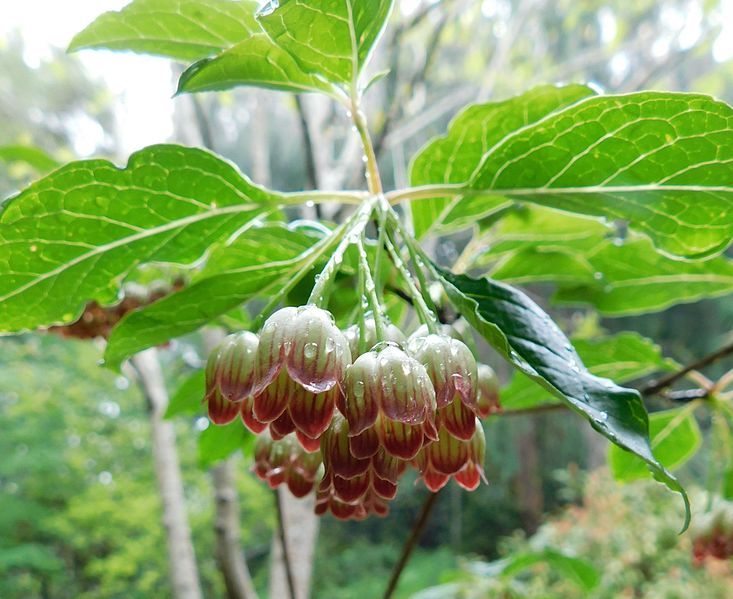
(311, 170)
(284, 544)
(409, 545)
(654, 387)
(419, 76)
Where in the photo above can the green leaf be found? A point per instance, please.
(676, 437)
(454, 157)
(658, 160)
(34, 157)
(622, 357)
(186, 400)
(217, 443)
(619, 277)
(251, 265)
(541, 228)
(636, 280)
(180, 29)
(72, 236)
(518, 328)
(256, 61)
(332, 39)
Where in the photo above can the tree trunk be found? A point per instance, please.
(530, 495)
(301, 533)
(181, 557)
(229, 555)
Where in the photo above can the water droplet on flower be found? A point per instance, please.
(358, 389)
(602, 417)
(310, 350)
(406, 368)
(310, 203)
(330, 345)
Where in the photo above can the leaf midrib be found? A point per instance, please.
(147, 233)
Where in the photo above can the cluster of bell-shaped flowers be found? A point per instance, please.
(367, 407)
(288, 379)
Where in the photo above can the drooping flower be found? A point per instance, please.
(454, 374)
(285, 461)
(306, 343)
(288, 407)
(452, 457)
(355, 487)
(230, 377)
(488, 391)
(390, 391)
(301, 360)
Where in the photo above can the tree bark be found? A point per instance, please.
(228, 550)
(301, 533)
(181, 557)
(530, 495)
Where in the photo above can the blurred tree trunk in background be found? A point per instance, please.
(228, 550)
(183, 569)
(530, 494)
(301, 534)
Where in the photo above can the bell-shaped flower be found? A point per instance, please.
(288, 407)
(285, 461)
(452, 457)
(488, 391)
(230, 373)
(390, 391)
(450, 366)
(306, 343)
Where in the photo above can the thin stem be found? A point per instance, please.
(315, 253)
(414, 257)
(321, 197)
(284, 544)
(371, 291)
(428, 192)
(362, 317)
(374, 180)
(426, 315)
(410, 544)
(656, 386)
(356, 226)
(381, 226)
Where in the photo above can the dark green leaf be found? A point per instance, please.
(675, 438)
(186, 400)
(514, 325)
(332, 39)
(249, 266)
(623, 357)
(217, 443)
(454, 157)
(73, 236)
(658, 160)
(180, 29)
